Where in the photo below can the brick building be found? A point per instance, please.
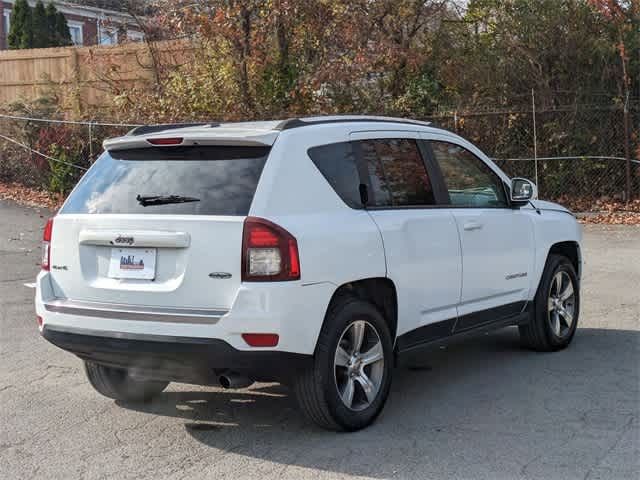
(87, 25)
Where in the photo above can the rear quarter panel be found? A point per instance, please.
(337, 244)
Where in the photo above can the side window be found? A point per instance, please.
(337, 163)
(470, 181)
(397, 173)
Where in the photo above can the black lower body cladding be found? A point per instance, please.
(179, 359)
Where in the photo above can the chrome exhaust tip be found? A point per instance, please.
(232, 380)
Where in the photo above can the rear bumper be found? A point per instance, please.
(292, 310)
(181, 359)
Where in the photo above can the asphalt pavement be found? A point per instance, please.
(482, 409)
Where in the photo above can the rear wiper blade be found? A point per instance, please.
(149, 200)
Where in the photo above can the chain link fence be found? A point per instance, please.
(51, 153)
(576, 155)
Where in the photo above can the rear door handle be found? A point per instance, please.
(472, 225)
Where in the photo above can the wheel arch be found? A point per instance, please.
(571, 250)
(379, 291)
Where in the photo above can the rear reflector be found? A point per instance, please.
(165, 141)
(46, 245)
(261, 339)
(40, 321)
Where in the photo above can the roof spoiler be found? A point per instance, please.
(189, 138)
(160, 127)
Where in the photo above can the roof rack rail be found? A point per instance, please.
(147, 129)
(302, 122)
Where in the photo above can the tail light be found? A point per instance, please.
(269, 252)
(165, 141)
(46, 245)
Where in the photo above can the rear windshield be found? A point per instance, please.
(207, 180)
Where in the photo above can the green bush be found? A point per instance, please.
(63, 176)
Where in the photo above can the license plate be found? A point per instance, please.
(139, 263)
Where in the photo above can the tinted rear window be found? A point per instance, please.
(397, 173)
(223, 178)
(337, 163)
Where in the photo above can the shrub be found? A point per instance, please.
(63, 175)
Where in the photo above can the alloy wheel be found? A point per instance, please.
(359, 365)
(561, 304)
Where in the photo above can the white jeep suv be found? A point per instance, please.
(314, 252)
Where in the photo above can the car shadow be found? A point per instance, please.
(477, 404)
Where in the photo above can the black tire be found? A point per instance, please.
(116, 383)
(538, 334)
(317, 389)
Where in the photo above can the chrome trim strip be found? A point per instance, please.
(141, 238)
(128, 336)
(120, 311)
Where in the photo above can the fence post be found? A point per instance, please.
(627, 148)
(90, 141)
(535, 138)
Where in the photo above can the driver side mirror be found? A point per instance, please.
(522, 191)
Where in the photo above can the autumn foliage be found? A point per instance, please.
(274, 58)
(258, 59)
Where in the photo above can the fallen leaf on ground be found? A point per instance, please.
(32, 197)
(615, 213)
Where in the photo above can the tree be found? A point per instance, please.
(62, 34)
(502, 49)
(624, 21)
(21, 31)
(51, 12)
(39, 27)
(41, 34)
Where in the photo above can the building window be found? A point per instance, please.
(75, 29)
(7, 22)
(108, 36)
(135, 36)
